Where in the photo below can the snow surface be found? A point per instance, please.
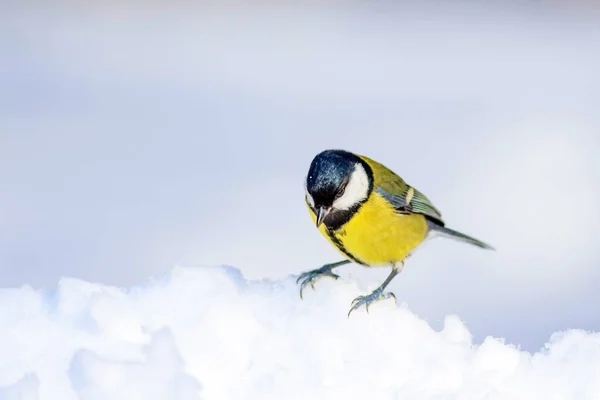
(208, 333)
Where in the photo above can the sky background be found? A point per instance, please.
(136, 137)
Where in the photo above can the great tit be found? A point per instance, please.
(370, 215)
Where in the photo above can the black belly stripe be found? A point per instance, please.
(340, 246)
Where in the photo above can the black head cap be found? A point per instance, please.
(328, 175)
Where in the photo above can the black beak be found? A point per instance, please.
(321, 214)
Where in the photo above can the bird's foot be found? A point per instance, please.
(310, 277)
(378, 294)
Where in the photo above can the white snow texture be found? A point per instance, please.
(208, 333)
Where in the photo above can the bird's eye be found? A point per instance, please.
(341, 189)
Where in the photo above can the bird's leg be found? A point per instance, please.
(378, 294)
(311, 277)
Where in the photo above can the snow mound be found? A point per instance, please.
(207, 333)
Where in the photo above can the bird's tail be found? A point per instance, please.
(452, 234)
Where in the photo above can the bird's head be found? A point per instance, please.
(338, 182)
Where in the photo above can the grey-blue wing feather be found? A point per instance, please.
(411, 201)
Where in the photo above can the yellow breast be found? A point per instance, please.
(376, 234)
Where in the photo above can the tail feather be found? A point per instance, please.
(452, 234)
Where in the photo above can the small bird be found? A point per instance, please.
(370, 215)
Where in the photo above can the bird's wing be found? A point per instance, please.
(404, 198)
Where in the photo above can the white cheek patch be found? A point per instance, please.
(309, 198)
(356, 191)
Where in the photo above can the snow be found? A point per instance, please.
(209, 333)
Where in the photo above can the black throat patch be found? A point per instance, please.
(338, 218)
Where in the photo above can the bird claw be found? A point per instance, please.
(311, 277)
(377, 295)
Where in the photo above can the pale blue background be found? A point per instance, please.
(134, 138)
